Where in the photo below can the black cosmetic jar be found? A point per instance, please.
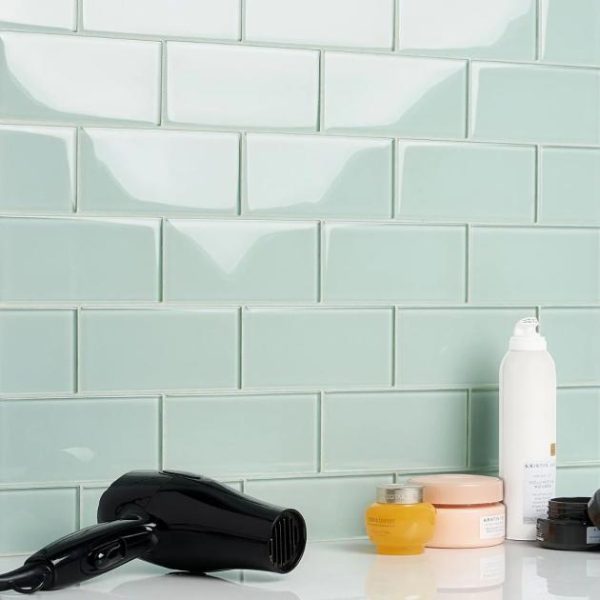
(569, 525)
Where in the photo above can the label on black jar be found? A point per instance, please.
(592, 535)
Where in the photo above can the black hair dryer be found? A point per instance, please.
(176, 520)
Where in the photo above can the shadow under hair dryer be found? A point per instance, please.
(176, 520)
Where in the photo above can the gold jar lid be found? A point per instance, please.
(399, 493)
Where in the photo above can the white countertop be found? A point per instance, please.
(351, 570)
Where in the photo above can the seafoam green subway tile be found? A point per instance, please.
(383, 430)
(241, 260)
(578, 420)
(66, 439)
(319, 346)
(453, 346)
(37, 351)
(247, 434)
(91, 79)
(394, 263)
(531, 103)
(570, 31)
(333, 507)
(534, 265)
(79, 259)
(32, 518)
(570, 185)
(39, 14)
(158, 172)
(242, 86)
(394, 95)
(37, 169)
(474, 182)
(358, 23)
(158, 349)
(574, 342)
(578, 481)
(317, 176)
(483, 427)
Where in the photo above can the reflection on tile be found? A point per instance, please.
(534, 265)
(534, 103)
(318, 176)
(161, 172)
(242, 86)
(394, 262)
(79, 259)
(247, 434)
(483, 424)
(359, 23)
(570, 185)
(333, 508)
(38, 14)
(578, 419)
(570, 31)
(384, 430)
(37, 169)
(442, 180)
(574, 342)
(188, 18)
(579, 481)
(158, 349)
(504, 29)
(87, 78)
(249, 260)
(394, 95)
(453, 346)
(317, 347)
(37, 351)
(32, 518)
(66, 440)
(90, 498)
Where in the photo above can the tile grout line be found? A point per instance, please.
(393, 350)
(77, 353)
(161, 261)
(162, 86)
(468, 240)
(242, 195)
(396, 348)
(77, 172)
(321, 94)
(468, 98)
(78, 16)
(538, 30)
(396, 26)
(240, 343)
(395, 208)
(242, 23)
(79, 511)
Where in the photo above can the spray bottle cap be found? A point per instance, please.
(526, 336)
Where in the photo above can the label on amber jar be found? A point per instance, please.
(491, 526)
(539, 482)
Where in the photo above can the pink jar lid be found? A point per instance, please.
(460, 489)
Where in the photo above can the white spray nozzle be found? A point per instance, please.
(526, 335)
(529, 326)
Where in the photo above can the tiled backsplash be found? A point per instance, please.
(283, 243)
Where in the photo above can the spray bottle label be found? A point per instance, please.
(539, 485)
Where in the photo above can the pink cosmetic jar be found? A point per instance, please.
(469, 510)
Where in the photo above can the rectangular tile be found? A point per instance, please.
(384, 431)
(483, 427)
(247, 434)
(534, 265)
(394, 262)
(333, 507)
(570, 185)
(158, 349)
(569, 31)
(79, 259)
(359, 23)
(187, 18)
(475, 182)
(574, 342)
(579, 481)
(462, 346)
(35, 517)
(242, 86)
(578, 419)
(37, 169)
(64, 440)
(534, 104)
(318, 176)
(241, 260)
(315, 347)
(90, 79)
(504, 29)
(37, 351)
(394, 95)
(158, 172)
(90, 498)
(39, 14)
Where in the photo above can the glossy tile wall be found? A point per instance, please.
(283, 243)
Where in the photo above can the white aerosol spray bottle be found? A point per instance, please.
(527, 429)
